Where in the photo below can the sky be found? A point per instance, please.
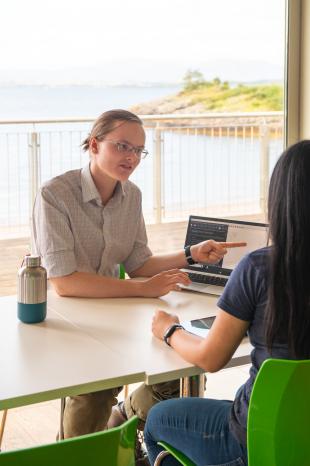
(141, 35)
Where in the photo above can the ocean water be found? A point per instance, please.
(35, 102)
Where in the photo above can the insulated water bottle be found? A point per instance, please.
(32, 285)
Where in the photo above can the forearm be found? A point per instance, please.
(205, 252)
(197, 351)
(190, 347)
(158, 263)
(88, 285)
(211, 353)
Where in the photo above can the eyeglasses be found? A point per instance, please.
(124, 148)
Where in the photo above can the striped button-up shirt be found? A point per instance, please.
(74, 231)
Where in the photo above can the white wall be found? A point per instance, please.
(305, 70)
(298, 70)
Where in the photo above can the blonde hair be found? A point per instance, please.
(105, 123)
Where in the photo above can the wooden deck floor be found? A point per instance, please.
(12, 253)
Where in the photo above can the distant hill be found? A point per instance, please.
(200, 96)
(134, 72)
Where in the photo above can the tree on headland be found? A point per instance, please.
(199, 95)
(193, 79)
(217, 95)
(216, 81)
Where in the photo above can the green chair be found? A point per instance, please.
(278, 428)
(279, 415)
(114, 447)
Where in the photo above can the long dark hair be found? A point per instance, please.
(288, 308)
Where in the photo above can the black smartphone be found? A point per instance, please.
(204, 323)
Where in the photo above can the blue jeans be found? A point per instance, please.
(197, 427)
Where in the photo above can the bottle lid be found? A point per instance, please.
(32, 261)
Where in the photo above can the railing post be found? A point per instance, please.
(264, 166)
(34, 166)
(157, 179)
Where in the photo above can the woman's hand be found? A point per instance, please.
(163, 282)
(162, 320)
(211, 251)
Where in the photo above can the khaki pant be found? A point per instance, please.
(90, 412)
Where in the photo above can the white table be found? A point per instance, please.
(86, 345)
(53, 359)
(124, 325)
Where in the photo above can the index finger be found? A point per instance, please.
(233, 245)
(174, 271)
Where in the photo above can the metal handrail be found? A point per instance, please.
(265, 128)
(172, 116)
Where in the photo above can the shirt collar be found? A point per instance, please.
(90, 192)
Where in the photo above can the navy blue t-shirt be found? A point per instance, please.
(245, 297)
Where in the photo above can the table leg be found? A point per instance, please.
(62, 410)
(126, 391)
(4, 415)
(193, 386)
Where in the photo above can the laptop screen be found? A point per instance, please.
(222, 230)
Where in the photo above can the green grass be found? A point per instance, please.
(218, 96)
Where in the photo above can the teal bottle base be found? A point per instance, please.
(31, 313)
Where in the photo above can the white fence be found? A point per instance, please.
(214, 164)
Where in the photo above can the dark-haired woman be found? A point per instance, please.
(88, 221)
(267, 295)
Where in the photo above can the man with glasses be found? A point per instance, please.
(88, 221)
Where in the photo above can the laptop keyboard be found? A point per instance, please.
(207, 279)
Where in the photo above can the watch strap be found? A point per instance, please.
(169, 332)
(188, 255)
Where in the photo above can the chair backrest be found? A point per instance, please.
(279, 415)
(113, 447)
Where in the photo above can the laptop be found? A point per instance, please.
(212, 278)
